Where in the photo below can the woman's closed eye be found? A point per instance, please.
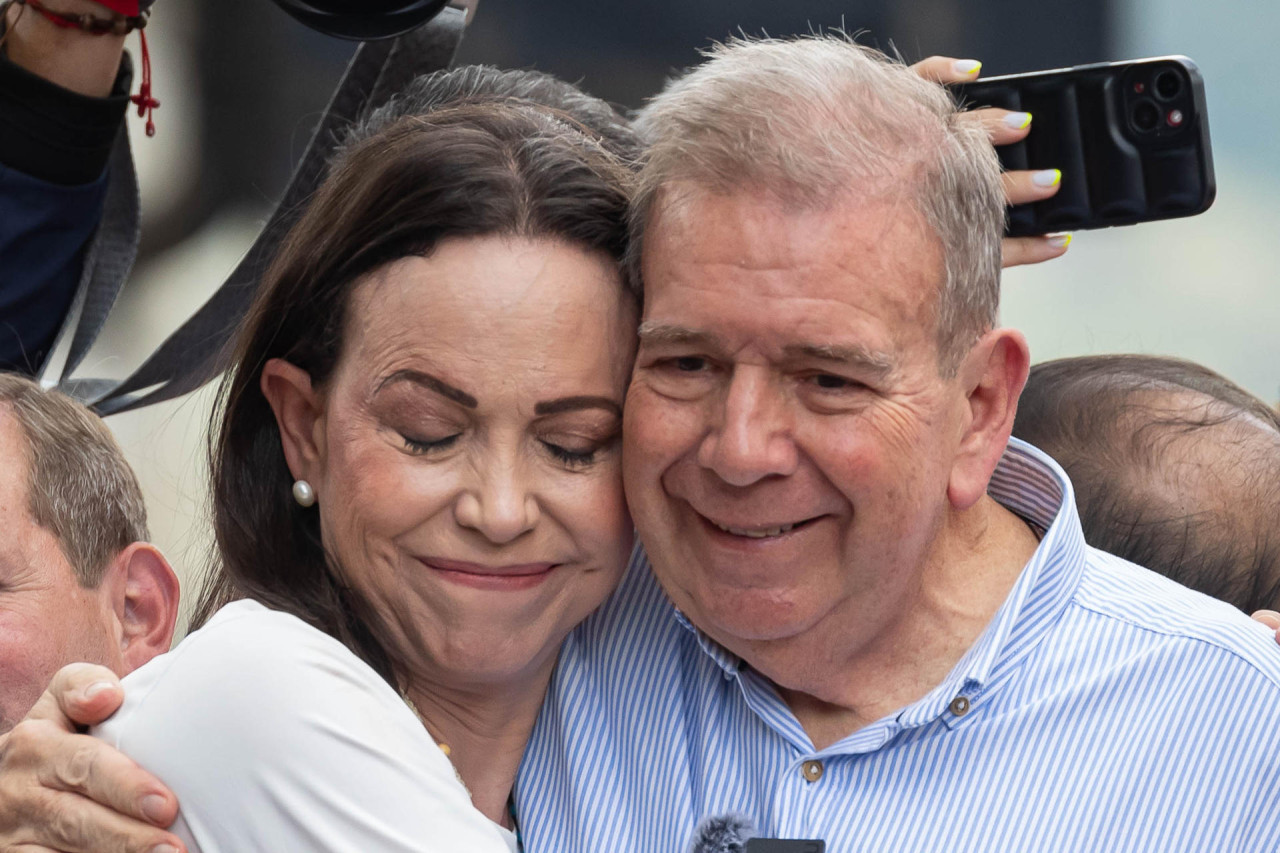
(570, 457)
(424, 446)
(575, 450)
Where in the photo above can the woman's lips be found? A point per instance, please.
(513, 577)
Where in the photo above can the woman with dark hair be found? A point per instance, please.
(416, 492)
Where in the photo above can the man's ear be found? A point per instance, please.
(144, 597)
(992, 376)
(299, 413)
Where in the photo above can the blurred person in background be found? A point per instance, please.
(78, 580)
(1175, 468)
(63, 95)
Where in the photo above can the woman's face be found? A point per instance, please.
(467, 470)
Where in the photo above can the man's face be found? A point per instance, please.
(46, 618)
(788, 436)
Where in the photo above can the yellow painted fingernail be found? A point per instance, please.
(1047, 177)
(1017, 121)
(1061, 241)
(968, 67)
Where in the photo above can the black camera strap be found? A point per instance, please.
(201, 347)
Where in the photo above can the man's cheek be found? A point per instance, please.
(656, 435)
(650, 426)
(21, 681)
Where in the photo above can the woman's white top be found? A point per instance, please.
(276, 737)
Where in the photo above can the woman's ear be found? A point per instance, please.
(299, 412)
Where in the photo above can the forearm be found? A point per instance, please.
(70, 58)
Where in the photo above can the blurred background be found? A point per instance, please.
(242, 85)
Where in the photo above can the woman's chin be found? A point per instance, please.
(502, 671)
(493, 652)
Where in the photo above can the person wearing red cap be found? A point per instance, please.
(128, 8)
(63, 95)
(72, 58)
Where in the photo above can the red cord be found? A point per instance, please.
(98, 26)
(146, 104)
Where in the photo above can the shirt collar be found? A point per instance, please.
(1030, 484)
(725, 659)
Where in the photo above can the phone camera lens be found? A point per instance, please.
(1168, 85)
(1145, 116)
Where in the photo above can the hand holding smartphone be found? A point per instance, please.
(1131, 140)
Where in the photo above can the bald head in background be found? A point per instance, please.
(1175, 467)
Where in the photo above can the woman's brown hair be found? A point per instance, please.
(482, 167)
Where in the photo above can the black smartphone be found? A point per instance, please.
(1131, 139)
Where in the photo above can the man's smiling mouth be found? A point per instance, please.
(757, 532)
(760, 531)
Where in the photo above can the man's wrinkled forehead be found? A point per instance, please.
(677, 195)
(754, 230)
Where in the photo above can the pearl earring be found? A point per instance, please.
(303, 493)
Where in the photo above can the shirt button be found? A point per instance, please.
(959, 706)
(811, 771)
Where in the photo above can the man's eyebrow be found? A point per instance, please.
(861, 358)
(573, 404)
(665, 333)
(434, 383)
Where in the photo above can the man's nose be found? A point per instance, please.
(500, 505)
(751, 438)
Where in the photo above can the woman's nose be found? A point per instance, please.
(500, 506)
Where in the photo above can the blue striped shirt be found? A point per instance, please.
(1104, 708)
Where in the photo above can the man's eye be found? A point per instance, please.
(421, 446)
(828, 382)
(690, 363)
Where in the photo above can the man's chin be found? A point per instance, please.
(749, 619)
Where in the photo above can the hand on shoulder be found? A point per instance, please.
(55, 783)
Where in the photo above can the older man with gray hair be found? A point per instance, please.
(862, 613)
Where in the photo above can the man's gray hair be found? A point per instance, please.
(79, 485)
(817, 120)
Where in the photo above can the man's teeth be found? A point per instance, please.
(758, 533)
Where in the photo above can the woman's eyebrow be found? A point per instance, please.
(434, 383)
(571, 404)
